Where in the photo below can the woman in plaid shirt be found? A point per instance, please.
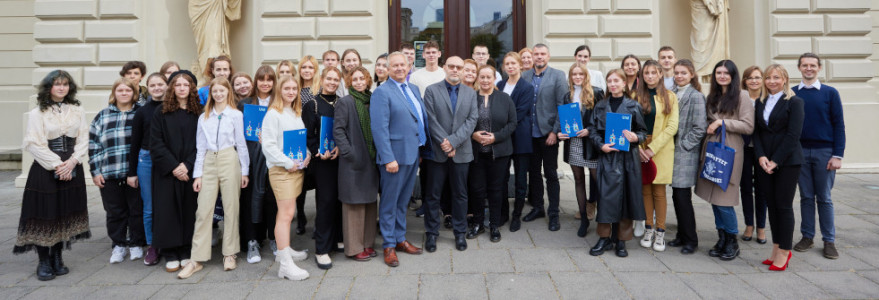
(109, 147)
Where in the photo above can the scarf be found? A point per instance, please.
(361, 101)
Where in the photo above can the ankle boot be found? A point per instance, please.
(621, 249)
(516, 221)
(731, 248)
(58, 266)
(721, 242)
(44, 268)
(584, 226)
(602, 245)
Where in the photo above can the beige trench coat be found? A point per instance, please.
(742, 122)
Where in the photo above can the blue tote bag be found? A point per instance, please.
(719, 159)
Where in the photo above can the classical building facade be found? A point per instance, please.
(92, 39)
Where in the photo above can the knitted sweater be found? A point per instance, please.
(824, 126)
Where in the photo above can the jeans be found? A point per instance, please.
(815, 183)
(725, 219)
(145, 179)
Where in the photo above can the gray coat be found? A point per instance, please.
(358, 174)
(692, 124)
(550, 94)
(444, 124)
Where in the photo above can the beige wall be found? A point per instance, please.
(16, 31)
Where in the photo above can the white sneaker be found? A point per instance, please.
(639, 228)
(118, 255)
(172, 266)
(274, 246)
(647, 240)
(136, 253)
(659, 241)
(323, 261)
(253, 252)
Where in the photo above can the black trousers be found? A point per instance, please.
(683, 203)
(753, 201)
(328, 219)
(124, 209)
(548, 157)
(437, 176)
(488, 177)
(266, 229)
(520, 168)
(445, 199)
(779, 188)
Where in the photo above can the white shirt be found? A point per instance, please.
(64, 120)
(422, 78)
(815, 85)
(596, 79)
(497, 77)
(273, 126)
(669, 82)
(221, 130)
(509, 88)
(770, 104)
(264, 102)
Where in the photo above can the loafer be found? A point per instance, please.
(602, 245)
(495, 235)
(405, 246)
(621, 249)
(804, 244)
(688, 249)
(677, 242)
(554, 223)
(515, 224)
(371, 252)
(430, 243)
(362, 256)
(475, 231)
(391, 257)
(460, 242)
(534, 215)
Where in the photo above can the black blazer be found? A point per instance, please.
(503, 123)
(522, 96)
(779, 140)
(590, 150)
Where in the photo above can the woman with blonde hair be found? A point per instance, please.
(522, 94)
(285, 68)
(527, 56)
(309, 83)
(469, 73)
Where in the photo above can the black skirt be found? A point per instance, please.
(52, 211)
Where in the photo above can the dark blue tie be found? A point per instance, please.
(422, 138)
(453, 96)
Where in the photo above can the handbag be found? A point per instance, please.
(719, 159)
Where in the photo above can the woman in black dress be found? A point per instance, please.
(54, 212)
(172, 149)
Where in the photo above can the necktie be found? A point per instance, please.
(422, 138)
(453, 96)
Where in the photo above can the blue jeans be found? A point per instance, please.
(725, 219)
(815, 185)
(144, 178)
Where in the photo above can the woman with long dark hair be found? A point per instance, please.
(54, 213)
(728, 106)
(631, 66)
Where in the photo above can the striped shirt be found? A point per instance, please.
(110, 142)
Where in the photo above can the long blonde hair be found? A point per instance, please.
(788, 92)
(210, 103)
(315, 79)
(278, 99)
(587, 95)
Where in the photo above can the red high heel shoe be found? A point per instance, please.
(774, 268)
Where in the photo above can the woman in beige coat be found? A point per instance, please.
(728, 105)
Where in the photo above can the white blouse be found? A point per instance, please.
(64, 120)
(273, 126)
(221, 130)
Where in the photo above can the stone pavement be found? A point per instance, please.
(530, 264)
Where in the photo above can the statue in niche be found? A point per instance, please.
(210, 25)
(709, 39)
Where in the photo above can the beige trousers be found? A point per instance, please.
(222, 173)
(358, 227)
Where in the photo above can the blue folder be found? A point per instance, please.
(294, 144)
(327, 142)
(253, 115)
(570, 119)
(613, 130)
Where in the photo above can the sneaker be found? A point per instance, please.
(152, 257)
(184, 262)
(647, 240)
(118, 254)
(172, 266)
(804, 244)
(659, 241)
(639, 228)
(830, 250)
(229, 263)
(253, 252)
(274, 246)
(136, 253)
(189, 269)
(323, 261)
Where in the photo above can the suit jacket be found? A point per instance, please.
(692, 123)
(522, 96)
(394, 125)
(502, 115)
(779, 140)
(455, 126)
(550, 94)
(358, 175)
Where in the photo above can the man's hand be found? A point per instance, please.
(551, 139)
(196, 185)
(835, 163)
(132, 181)
(446, 146)
(98, 180)
(392, 167)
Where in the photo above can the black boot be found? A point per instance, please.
(730, 248)
(584, 226)
(721, 242)
(621, 249)
(602, 245)
(58, 266)
(44, 268)
(516, 221)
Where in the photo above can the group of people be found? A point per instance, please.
(167, 164)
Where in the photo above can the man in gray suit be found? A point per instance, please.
(550, 85)
(451, 113)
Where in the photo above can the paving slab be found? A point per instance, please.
(719, 286)
(784, 285)
(542, 259)
(537, 285)
(692, 263)
(644, 285)
(127, 292)
(224, 290)
(578, 285)
(452, 286)
(386, 287)
(68, 292)
(843, 284)
(482, 261)
(285, 289)
(10, 293)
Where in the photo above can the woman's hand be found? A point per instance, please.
(563, 136)
(477, 136)
(97, 179)
(608, 148)
(714, 125)
(582, 133)
(132, 181)
(305, 162)
(765, 164)
(244, 181)
(487, 139)
(335, 153)
(196, 185)
(631, 136)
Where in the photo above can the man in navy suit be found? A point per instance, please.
(399, 127)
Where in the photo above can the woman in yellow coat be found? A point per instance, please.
(660, 108)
